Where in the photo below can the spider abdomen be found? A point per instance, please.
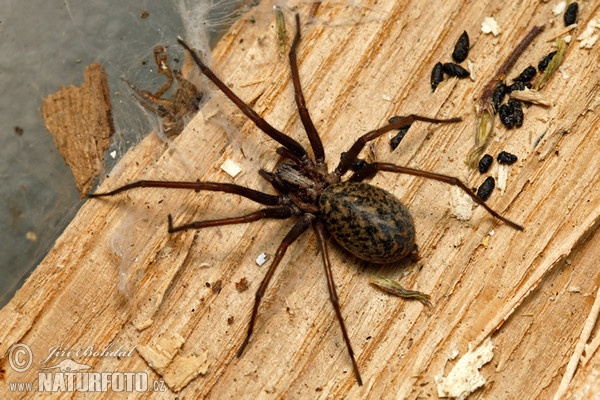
(368, 222)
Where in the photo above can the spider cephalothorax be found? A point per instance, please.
(365, 220)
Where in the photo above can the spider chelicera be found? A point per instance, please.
(367, 221)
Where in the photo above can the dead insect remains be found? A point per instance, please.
(365, 220)
(172, 111)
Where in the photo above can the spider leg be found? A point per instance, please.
(276, 213)
(373, 168)
(254, 195)
(148, 100)
(290, 238)
(349, 156)
(160, 57)
(311, 131)
(264, 126)
(320, 230)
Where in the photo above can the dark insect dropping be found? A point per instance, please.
(437, 75)
(519, 86)
(506, 158)
(395, 141)
(461, 48)
(570, 16)
(543, 64)
(485, 163)
(527, 74)
(485, 189)
(498, 95)
(516, 109)
(455, 70)
(506, 116)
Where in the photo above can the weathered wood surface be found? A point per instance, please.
(80, 122)
(373, 64)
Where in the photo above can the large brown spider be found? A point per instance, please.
(367, 221)
(172, 111)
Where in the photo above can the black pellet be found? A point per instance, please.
(437, 75)
(461, 48)
(543, 64)
(570, 16)
(506, 116)
(527, 74)
(485, 189)
(516, 109)
(506, 158)
(519, 86)
(395, 141)
(455, 70)
(498, 95)
(485, 163)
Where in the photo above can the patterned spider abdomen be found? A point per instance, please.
(368, 222)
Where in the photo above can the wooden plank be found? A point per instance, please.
(368, 64)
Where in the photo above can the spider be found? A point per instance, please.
(367, 221)
(172, 111)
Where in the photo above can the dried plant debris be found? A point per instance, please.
(280, 28)
(506, 158)
(485, 189)
(242, 285)
(485, 163)
(393, 287)
(461, 48)
(570, 16)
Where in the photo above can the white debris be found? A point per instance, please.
(589, 36)
(502, 177)
(465, 378)
(231, 168)
(531, 96)
(261, 259)
(471, 69)
(559, 7)
(574, 289)
(113, 154)
(489, 25)
(461, 204)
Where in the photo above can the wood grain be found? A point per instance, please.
(531, 291)
(80, 122)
